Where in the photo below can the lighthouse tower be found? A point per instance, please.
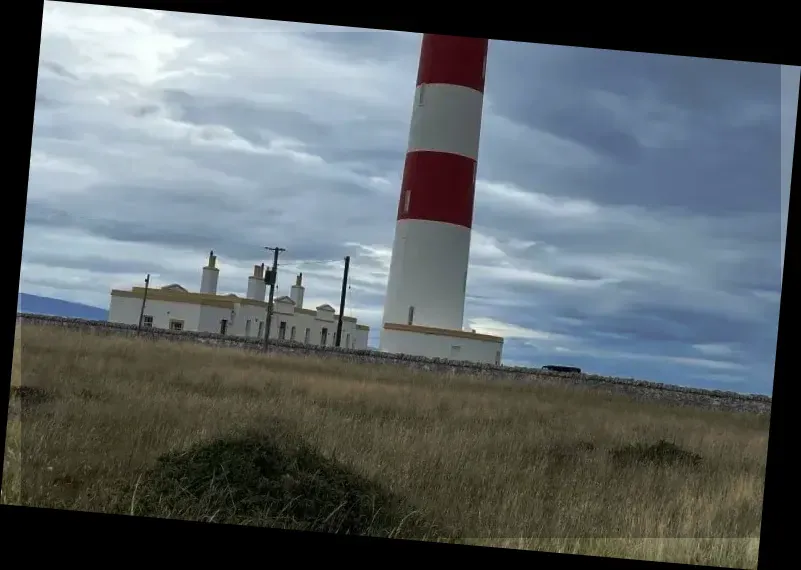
(424, 307)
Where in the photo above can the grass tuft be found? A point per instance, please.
(29, 394)
(662, 453)
(273, 479)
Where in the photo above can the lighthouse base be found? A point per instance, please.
(433, 342)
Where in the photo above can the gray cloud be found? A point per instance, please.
(648, 113)
(626, 210)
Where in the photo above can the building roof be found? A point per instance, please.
(285, 299)
(176, 294)
(435, 331)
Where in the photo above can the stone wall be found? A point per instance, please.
(637, 389)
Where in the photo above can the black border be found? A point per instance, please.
(31, 531)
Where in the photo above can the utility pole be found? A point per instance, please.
(144, 300)
(272, 279)
(342, 301)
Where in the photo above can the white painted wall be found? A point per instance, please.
(358, 337)
(126, 310)
(315, 326)
(211, 317)
(204, 318)
(209, 279)
(257, 288)
(284, 307)
(257, 317)
(436, 346)
(326, 315)
(296, 293)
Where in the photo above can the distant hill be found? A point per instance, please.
(59, 308)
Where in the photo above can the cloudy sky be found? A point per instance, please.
(628, 206)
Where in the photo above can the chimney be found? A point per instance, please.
(257, 288)
(296, 292)
(208, 281)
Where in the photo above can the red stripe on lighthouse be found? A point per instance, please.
(453, 60)
(439, 174)
(438, 187)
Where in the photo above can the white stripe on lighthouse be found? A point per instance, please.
(446, 118)
(427, 272)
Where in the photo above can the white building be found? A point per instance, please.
(434, 342)
(174, 307)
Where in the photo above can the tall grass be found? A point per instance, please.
(115, 424)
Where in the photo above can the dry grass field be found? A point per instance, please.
(112, 424)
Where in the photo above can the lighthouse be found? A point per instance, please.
(425, 297)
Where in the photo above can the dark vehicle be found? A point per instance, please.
(555, 368)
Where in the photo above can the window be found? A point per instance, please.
(306, 336)
(247, 327)
(261, 329)
(484, 71)
(147, 321)
(176, 325)
(455, 350)
(411, 315)
(498, 358)
(323, 336)
(407, 198)
(282, 330)
(347, 341)
(292, 334)
(223, 326)
(421, 95)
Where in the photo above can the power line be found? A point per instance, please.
(144, 300)
(342, 301)
(273, 274)
(298, 263)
